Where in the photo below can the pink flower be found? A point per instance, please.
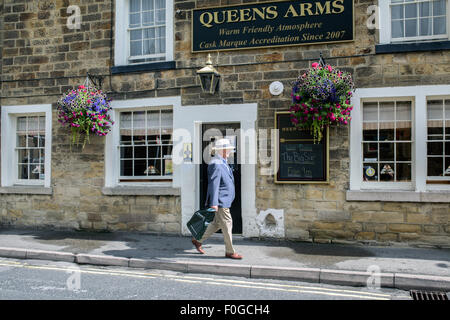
(329, 68)
(294, 120)
(315, 65)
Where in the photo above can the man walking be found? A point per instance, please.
(220, 196)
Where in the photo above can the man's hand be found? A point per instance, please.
(215, 208)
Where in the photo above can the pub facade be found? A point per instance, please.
(383, 178)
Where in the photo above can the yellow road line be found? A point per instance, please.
(228, 282)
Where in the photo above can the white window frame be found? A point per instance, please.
(121, 37)
(419, 95)
(9, 136)
(384, 18)
(112, 152)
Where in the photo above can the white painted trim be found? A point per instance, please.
(8, 161)
(112, 164)
(385, 21)
(121, 41)
(384, 16)
(187, 122)
(419, 95)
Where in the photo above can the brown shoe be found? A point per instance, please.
(198, 246)
(233, 256)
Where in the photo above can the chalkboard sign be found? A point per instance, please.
(299, 158)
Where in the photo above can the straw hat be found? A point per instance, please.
(223, 144)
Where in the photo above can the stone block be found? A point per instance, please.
(159, 264)
(421, 282)
(354, 278)
(15, 253)
(400, 227)
(218, 268)
(283, 273)
(50, 255)
(101, 260)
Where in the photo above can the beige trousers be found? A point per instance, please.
(222, 220)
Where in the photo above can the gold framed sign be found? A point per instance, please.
(298, 158)
(272, 24)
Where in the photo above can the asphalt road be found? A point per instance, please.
(49, 280)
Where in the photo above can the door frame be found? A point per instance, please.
(189, 120)
(237, 203)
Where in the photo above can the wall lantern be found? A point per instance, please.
(209, 77)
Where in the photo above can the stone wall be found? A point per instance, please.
(42, 58)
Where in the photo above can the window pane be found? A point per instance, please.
(140, 152)
(41, 141)
(147, 5)
(126, 152)
(403, 110)
(435, 130)
(387, 172)
(435, 148)
(435, 167)
(435, 110)
(386, 131)
(33, 125)
(426, 27)
(154, 152)
(386, 151)
(160, 4)
(397, 12)
(23, 171)
(370, 135)
(403, 152)
(447, 148)
(370, 151)
(403, 132)
(136, 48)
(34, 156)
(154, 167)
(35, 172)
(411, 10)
(136, 34)
(24, 156)
(370, 172)
(370, 111)
(447, 109)
(139, 167)
(32, 141)
(148, 18)
(387, 111)
(439, 25)
(411, 28)
(135, 5)
(439, 7)
(403, 172)
(425, 9)
(397, 29)
(135, 20)
(447, 167)
(126, 167)
(149, 33)
(22, 141)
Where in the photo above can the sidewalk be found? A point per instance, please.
(400, 267)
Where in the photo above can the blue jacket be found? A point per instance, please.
(220, 183)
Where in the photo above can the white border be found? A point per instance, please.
(8, 154)
(188, 121)
(419, 147)
(112, 164)
(121, 41)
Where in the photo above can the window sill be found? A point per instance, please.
(26, 190)
(412, 46)
(141, 191)
(398, 196)
(154, 66)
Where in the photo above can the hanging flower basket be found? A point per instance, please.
(85, 111)
(320, 98)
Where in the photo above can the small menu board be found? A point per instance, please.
(299, 158)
